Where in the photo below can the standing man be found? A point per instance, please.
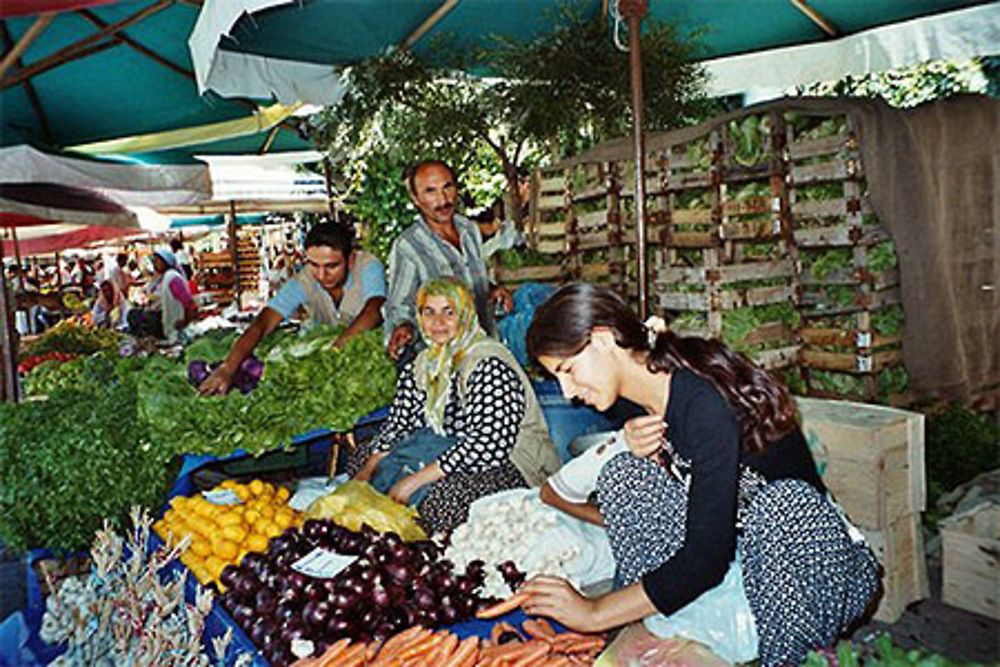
(439, 243)
(340, 286)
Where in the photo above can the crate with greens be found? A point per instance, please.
(545, 257)
(724, 270)
(848, 270)
(600, 211)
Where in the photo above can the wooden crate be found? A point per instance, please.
(871, 458)
(971, 560)
(899, 547)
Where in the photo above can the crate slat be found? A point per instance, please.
(780, 357)
(971, 560)
(848, 362)
(806, 148)
(541, 273)
(691, 216)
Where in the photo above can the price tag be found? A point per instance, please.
(863, 339)
(322, 563)
(863, 364)
(222, 497)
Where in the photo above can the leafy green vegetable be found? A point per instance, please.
(68, 336)
(888, 321)
(62, 459)
(882, 257)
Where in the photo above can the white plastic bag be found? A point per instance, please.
(720, 619)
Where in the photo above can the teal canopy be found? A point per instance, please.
(217, 220)
(133, 81)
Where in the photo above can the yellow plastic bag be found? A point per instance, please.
(355, 503)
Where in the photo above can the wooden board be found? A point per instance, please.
(590, 272)
(900, 549)
(781, 357)
(834, 170)
(593, 219)
(871, 457)
(849, 362)
(845, 338)
(691, 216)
(750, 229)
(971, 560)
(806, 148)
(549, 202)
(840, 235)
(542, 273)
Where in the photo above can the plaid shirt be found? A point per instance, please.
(419, 255)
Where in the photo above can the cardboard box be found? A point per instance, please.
(971, 560)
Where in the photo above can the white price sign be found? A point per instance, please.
(322, 563)
(222, 497)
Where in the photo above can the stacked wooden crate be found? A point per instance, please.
(597, 249)
(872, 460)
(847, 268)
(215, 276)
(723, 268)
(248, 250)
(970, 569)
(546, 258)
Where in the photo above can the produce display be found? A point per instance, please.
(389, 585)
(32, 361)
(535, 642)
(131, 610)
(355, 504)
(219, 533)
(76, 338)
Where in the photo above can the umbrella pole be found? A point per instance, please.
(58, 273)
(17, 256)
(635, 11)
(234, 251)
(8, 392)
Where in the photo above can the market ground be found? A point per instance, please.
(929, 624)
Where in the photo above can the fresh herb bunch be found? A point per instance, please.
(62, 462)
(884, 654)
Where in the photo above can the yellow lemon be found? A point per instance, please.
(251, 516)
(284, 518)
(230, 519)
(281, 494)
(201, 547)
(256, 486)
(236, 533)
(225, 549)
(215, 565)
(260, 524)
(271, 529)
(228, 484)
(256, 542)
(242, 492)
(267, 511)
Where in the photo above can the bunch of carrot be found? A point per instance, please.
(536, 643)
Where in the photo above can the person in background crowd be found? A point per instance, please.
(465, 408)
(717, 476)
(340, 286)
(119, 275)
(170, 308)
(110, 308)
(439, 243)
(183, 258)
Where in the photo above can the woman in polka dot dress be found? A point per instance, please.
(718, 473)
(470, 391)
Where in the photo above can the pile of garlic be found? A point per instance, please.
(512, 528)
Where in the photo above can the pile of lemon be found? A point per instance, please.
(223, 534)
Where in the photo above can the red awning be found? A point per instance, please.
(22, 7)
(81, 237)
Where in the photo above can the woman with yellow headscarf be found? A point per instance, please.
(464, 423)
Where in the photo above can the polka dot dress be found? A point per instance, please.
(806, 581)
(485, 424)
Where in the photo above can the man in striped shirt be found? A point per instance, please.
(439, 243)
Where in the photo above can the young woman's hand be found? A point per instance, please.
(644, 435)
(556, 598)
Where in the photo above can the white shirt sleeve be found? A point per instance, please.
(577, 479)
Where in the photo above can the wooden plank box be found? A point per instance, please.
(871, 457)
(899, 547)
(971, 560)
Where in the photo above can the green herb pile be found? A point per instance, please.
(883, 654)
(62, 458)
(63, 463)
(68, 336)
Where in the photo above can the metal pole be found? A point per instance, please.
(17, 256)
(8, 392)
(635, 11)
(328, 182)
(234, 251)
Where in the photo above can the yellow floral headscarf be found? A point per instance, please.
(434, 366)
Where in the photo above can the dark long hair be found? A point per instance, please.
(562, 326)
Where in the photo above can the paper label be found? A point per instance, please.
(322, 563)
(222, 497)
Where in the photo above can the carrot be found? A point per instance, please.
(421, 647)
(536, 630)
(403, 637)
(536, 651)
(352, 657)
(501, 608)
(371, 650)
(545, 627)
(581, 645)
(468, 647)
(337, 648)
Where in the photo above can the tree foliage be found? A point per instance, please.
(489, 107)
(909, 86)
